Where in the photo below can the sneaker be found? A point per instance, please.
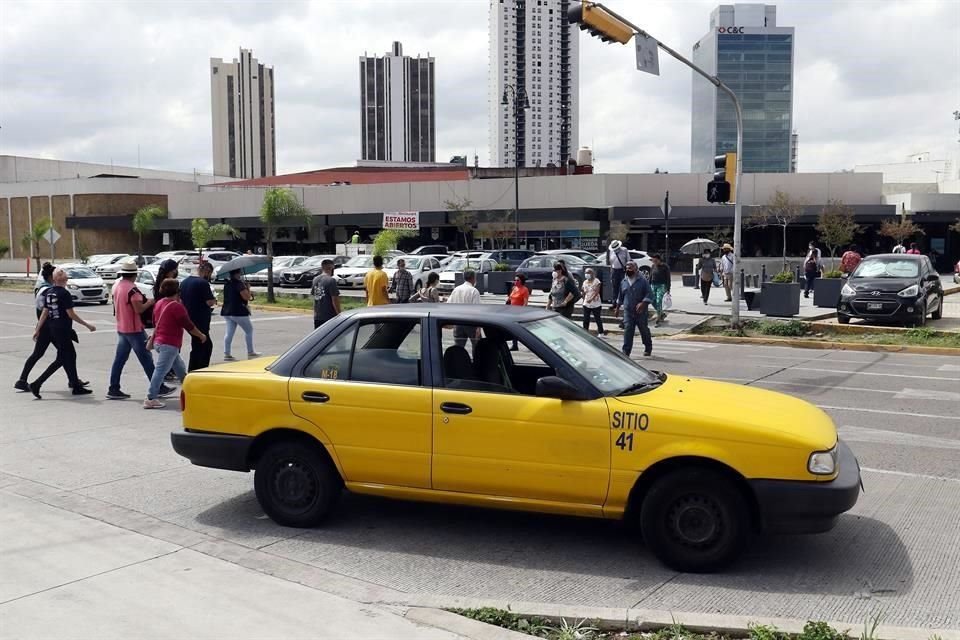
(81, 391)
(648, 354)
(83, 383)
(165, 391)
(153, 404)
(35, 390)
(254, 354)
(21, 385)
(116, 394)
(228, 358)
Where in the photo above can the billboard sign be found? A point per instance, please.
(409, 220)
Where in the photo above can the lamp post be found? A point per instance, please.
(520, 103)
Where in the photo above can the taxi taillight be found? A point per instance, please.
(183, 401)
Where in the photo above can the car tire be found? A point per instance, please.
(695, 520)
(296, 483)
(842, 319)
(936, 315)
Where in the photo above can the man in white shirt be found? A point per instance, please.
(726, 271)
(465, 293)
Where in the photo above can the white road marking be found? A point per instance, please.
(838, 361)
(18, 324)
(870, 373)
(908, 475)
(890, 413)
(882, 436)
(927, 394)
(950, 367)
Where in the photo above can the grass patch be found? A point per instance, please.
(16, 285)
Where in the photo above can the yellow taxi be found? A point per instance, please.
(432, 402)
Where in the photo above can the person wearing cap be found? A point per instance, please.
(726, 270)
(635, 297)
(129, 306)
(617, 258)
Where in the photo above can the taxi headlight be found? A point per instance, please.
(847, 290)
(823, 463)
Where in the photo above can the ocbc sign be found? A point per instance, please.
(729, 29)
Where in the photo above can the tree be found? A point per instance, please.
(721, 234)
(780, 211)
(30, 241)
(280, 208)
(202, 232)
(836, 226)
(463, 219)
(143, 221)
(500, 230)
(900, 230)
(618, 231)
(388, 239)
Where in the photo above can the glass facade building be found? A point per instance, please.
(754, 57)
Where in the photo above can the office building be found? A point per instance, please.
(397, 107)
(794, 141)
(244, 128)
(754, 57)
(534, 50)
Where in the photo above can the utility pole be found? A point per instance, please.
(666, 229)
(520, 103)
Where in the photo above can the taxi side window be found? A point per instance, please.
(380, 352)
(334, 362)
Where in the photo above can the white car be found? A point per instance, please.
(107, 265)
(644, 263)
(583, 254)
(279, 264)
(420, 267)
(448, 277)
(154, 269)
(83, 284)
(352, 272)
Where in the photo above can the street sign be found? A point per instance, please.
(409, 220)
(648, 57)
(51, 236)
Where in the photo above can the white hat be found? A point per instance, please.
(616, 244)
(127, 266)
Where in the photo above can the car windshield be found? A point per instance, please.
(411, 263)
(75, 273)
(570, 259)
(459, 264)
(608, 369)
(588, 258)
(315, 261)
(887, 268)
(360, 262)
(285, 261)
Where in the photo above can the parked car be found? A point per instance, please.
(351, 274)
(539, 269)
(644, 263)
(177, 254)
(83, 284)
(144, 283)
(153, 270)
(420, 267)
(100, 258)
(303, 274)
(512, 257)
(892, 287)
(217, 258)
(584, 255)
(448, 276)
(107, 265)
(280, 263)
(429, 248)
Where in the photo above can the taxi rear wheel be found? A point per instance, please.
(695, 520)
(296, 484)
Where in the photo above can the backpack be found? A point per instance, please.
(147, 316)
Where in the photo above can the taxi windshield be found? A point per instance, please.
(607, 368)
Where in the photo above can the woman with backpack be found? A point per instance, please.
(707, 268)
(428, 293)
(811, 268)
(564, 291)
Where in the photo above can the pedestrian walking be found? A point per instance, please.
(465, 293)
(429, 292)
(592, 305)
(617, 258)
(171, 319)
(402, 282)
(375, 284)
(563, 291)
(236, 313)
(58, 311)
(198, 299)
(635, 297)
(167, 269)
(42, 341)
(726, 271)
(914, 249)
(659, 285)
(129, 307)
(326, 294)
(519, 296)
(850, 260)
(812, 266)
(899, 248)
(706, 268)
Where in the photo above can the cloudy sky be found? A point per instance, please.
(876, 80)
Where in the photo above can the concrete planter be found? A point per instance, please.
(780, 299)
(499, 282)
(826, 292)
(691, 280)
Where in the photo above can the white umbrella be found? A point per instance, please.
(698, 246)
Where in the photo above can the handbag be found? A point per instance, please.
(716, 279)
(146, 317)
(150, 339)
(667, 302)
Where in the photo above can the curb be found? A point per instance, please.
(857, 329)
(466, 627)
(820, 344)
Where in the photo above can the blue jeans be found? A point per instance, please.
(127, 342)
(168, 357)
(232, 323)
(630, 323)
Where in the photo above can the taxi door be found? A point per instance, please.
(509, 443)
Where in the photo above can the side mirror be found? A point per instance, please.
(557, 387)
(932, 277)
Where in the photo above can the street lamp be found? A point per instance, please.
(520, 103)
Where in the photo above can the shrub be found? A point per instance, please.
(505, 619)
(766, 632)
(783, 277)
(789, 328)
(833, 273)
(921, 333)
(503, 266)
(821, 631)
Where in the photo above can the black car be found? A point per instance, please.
(303, 274)
(893, 287)
(512, 257)
(539, 270)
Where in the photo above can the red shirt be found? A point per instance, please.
(519, 295)
(128, 320)
(171, 320)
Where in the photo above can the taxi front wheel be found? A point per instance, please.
(695, 520)
(296, 484)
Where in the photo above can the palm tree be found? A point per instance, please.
(202, 232)
(143, 221)
(31, 239)
(280, 208)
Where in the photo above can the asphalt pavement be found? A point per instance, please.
(109, 464)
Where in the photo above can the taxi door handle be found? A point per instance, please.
(455, 407)
(314, 396)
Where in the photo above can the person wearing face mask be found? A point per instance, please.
(519, 296)
(592, 304)
(634, 298)
(706, 268)
(563, 291)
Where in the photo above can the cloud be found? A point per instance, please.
(94, 81)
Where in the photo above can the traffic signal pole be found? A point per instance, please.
(737, 211)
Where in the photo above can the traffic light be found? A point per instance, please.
(724, 178)
(599, 22)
